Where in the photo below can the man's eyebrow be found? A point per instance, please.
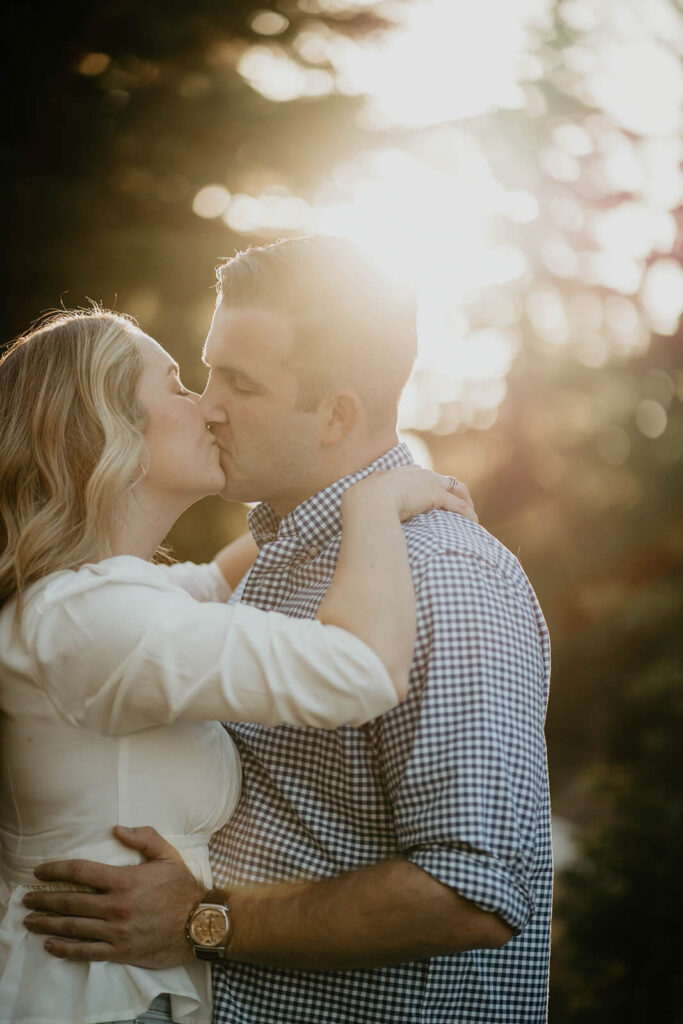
(173, 367)
(231, 371)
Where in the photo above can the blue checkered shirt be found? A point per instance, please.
(454, 779)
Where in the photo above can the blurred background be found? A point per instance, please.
(518, 162)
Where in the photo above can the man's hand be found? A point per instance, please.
(137, 916)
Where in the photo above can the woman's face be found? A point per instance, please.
(183, 459)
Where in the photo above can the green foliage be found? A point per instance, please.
(619, 958)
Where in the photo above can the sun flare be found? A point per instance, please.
(429, 206)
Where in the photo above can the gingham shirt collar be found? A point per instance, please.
(314, 522)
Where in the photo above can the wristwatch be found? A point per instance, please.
(208, 926)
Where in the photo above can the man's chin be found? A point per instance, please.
(233, 492)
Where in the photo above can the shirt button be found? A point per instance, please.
(314, 550)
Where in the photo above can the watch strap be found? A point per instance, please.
(219, 896)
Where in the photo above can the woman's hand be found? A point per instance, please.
(414, 490)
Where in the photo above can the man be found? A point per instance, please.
(401, 871)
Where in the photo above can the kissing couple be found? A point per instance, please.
(312, 770)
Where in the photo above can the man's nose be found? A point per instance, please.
(213, 409)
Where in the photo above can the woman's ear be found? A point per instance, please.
(341, 413)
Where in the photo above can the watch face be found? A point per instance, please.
(208, 927)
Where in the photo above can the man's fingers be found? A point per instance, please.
(80, 872)
(68, 904)
(148, 841)
(76, 928)
(100, 876)
(67, 949)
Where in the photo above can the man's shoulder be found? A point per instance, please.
(447, 539)
(460, 568)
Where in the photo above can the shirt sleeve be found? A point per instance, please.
(119, 656)
(464, 756)
(204, 582)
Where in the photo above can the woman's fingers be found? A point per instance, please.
(463, 503)
(457, 487)
(425, 489)
(453, 503)
(418, 490)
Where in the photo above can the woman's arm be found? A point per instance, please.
(236, 559)
(371, 594)
(114, 652)
(121, 656)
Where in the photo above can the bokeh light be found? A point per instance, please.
(442, 210)
(211, 201)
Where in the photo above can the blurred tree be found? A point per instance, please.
(116, 114)
(619, 959)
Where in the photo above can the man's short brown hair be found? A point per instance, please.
(354, 327)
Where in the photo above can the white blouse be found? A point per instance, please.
(111, 693)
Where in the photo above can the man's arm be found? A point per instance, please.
(381, 914)
(385, 913)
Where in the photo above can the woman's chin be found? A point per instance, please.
(220, 484)
(213, 485)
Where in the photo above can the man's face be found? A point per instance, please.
(270, 451)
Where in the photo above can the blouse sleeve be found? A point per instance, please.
(204, 582)
(120, 656)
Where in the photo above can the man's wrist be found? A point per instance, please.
(208, 928)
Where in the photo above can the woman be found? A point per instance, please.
(115, 671)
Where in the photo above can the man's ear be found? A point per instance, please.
(341, 412)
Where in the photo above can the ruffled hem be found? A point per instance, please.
(36, 988)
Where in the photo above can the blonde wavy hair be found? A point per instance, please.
(71, 442)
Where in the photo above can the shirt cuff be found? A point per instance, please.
(478, 877)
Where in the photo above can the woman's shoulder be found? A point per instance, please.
(202, 582)
(55, 586)
(116, 594)
(94, 575)
(120, 582)
(110, 604)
